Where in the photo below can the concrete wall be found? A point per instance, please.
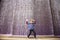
(55, 8)
(42, 14)
(14, 14)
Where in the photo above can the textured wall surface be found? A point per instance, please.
(42, 14)
(55, 7)
(14, 14)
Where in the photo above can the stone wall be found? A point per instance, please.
(42, 14)
(55, 9)
(14, 14)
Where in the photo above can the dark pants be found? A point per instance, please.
(30, 31)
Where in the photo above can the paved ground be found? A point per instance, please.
(25, 38)
(30, 39)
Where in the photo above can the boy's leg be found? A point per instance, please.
(29, 33)
(34, 34)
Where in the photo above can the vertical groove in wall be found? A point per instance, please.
(52, 15)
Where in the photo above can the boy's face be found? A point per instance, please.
(32, 21)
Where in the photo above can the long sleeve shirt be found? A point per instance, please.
(30, 26)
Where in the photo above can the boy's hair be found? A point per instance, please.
(32, 20)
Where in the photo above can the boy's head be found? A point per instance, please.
(32, 20)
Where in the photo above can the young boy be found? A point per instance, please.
(31, 25)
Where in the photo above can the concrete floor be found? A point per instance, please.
(25, 38)
(30, 39)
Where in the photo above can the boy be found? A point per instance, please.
(31, 25)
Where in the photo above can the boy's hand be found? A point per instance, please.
(26, 21)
